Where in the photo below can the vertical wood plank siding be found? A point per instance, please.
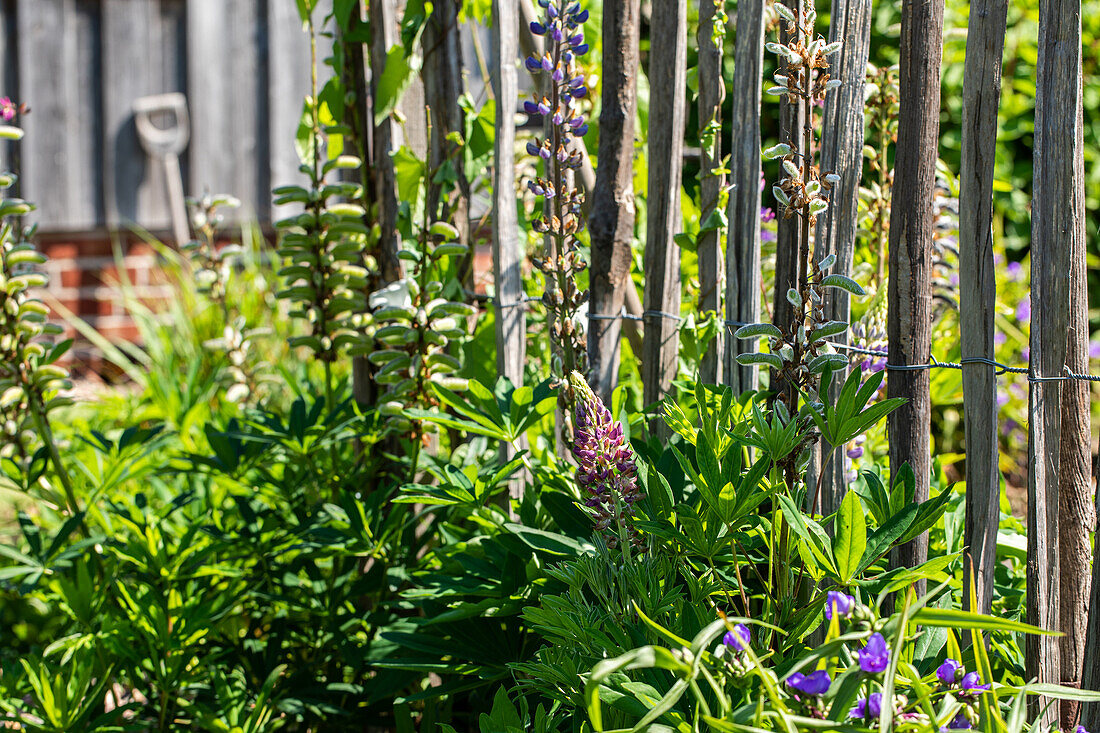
(80, 64)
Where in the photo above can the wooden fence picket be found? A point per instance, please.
(611, 221)
(792, 119)
(668, 82)
(508, 247)
(842, 154)
(743, 239)
(709, 247)
(912, 221)
(1056, 223)
(978, 292)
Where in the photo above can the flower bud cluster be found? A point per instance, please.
(802, 74)
(561, 219)
(414, 328)
(801, 352)
(30, 378)
(606, 470)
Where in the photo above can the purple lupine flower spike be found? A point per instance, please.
(606, 469)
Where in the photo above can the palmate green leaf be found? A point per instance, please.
(799, 522)
(851, 536)
(887, 535)
(928, 513)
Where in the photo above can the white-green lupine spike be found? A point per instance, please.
(758, 330)
(843, 283)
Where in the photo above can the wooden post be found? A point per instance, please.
(743, 240)
(442, 76)
(909, 319)
(792, 119)
(508, 250)
(611, 222)
(978, 292)
(842, 154)
(383, 26)
(1056, 224)
(668, 82)
(1076, 515)
(712, 91)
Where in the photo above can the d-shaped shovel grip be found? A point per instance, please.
(161, 142)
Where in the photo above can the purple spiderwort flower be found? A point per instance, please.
(948, 672)
(972, 684)
(867, 707)
(837, 602)
(875, 655)
(1080, 729)
(960, 722)
(816, 683)
(738, 639)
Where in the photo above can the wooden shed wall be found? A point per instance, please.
(80, 64)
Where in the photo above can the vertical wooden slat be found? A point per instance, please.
(288, 85)
(136, 37)
(60, 77)
(383, 27)
(792, 118)
(978, 291)
(743, 240)
(442, 76)
(842, 154)
(228, 101)
(508, 250)
(668, 82)
(711, 93)
(1056, 222)
(611, 223)
(909, 318)
(9, 80)
(1077, 518)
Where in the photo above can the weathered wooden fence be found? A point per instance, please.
(1060, 511)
